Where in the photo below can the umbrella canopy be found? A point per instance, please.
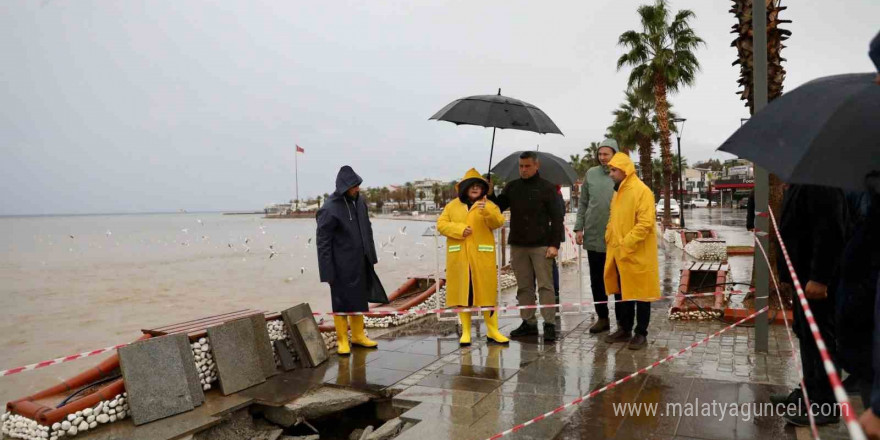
(825, 132)
(553, 168)
(496, 111)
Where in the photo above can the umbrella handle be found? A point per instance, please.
(491, 151)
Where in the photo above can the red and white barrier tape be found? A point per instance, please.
(498, 309)
(611, 385)
(852, 423)
(794, 356)
(60, 360)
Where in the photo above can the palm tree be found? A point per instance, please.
(657, 175)
(579, 164)
(742, 10)
(592, 155)
(636, 126)
(662, 57)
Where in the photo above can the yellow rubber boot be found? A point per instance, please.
(492, 332)
(342, 346)
(358, 336)
(465, 328)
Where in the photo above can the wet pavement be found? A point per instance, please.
(475, 392)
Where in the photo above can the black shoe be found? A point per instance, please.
(602, 325)
(549, 332)
(525, 329)
(618, 336)
(802, 419)
(851, 385)
(784, 399)
(637, 342)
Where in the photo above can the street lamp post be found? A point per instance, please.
(679, 128)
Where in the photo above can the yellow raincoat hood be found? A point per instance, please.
(623, 162)
(470, 174)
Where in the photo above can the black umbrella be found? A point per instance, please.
(497, 111)
(825, 132)
(553, 168)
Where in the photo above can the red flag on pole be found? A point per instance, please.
(300, 149)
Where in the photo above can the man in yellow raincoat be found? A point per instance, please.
(631, 265)
(468, 222)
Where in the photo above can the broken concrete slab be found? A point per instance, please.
(264, 344)
(301, 437)
(155, 378)
(288, 362)
(304, 333)
(189, 364)
(320, 402)
(308, 336)
(236, 355)
(388, 430)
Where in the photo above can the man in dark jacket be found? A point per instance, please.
(535, 232)
(346, 255)
(813, 227)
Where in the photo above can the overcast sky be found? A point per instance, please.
(138, 106)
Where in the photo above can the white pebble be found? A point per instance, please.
(82, 426)
(202, 341)
(90, 419)
(112, 418)
(113, 403)
(65, 425)
(77, 421)
(87, 412)
(56, 426)
(71, 417)
(93, 425)
(72, 431)
(103, 418)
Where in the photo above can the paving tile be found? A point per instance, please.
(430, 347)
(439, 395)
(368, 378)
(394, 360)
(444, 414)
(478, 371)
(764, 425)
(713, 427)
(659, 390)
(460, 383)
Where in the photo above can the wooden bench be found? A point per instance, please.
(197, 328)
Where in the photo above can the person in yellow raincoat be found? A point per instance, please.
(471, 281)
(631, 265)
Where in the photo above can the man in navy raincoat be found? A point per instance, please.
(346, 255)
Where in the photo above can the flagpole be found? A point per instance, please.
(296, 173)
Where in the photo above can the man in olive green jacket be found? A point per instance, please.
(592, 218)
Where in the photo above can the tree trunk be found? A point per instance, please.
(662, 109)
(645, 162)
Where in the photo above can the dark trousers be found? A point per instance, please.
(815, 378)
(632, 312)
(597, 282)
